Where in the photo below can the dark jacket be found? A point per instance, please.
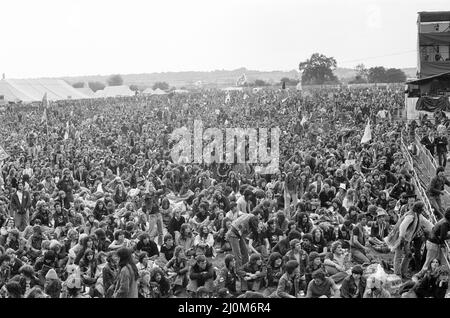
(287, 286)
(439, 233)
(437, 185)
(109, 276)
(16, 207)
(151, 248)
(202, 275)
(441, 144)
(429, 287)
(228, 279)
(430, 145)
(126, 286)
(349, 288)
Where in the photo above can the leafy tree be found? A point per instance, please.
(376, 74)
(134, 88)
(318, 69)
(115, 80)
(395, 75)
(361, 72)
(161, 85)
(259, 82)
(357, 80)
(379, 74)
(96, 86)
(78, 85)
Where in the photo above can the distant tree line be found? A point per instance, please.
(378, 74)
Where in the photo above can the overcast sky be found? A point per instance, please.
(88, 37)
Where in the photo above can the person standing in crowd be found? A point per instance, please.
(436, 242)
(429, 142)
(441, 148)
(413, 223)
(20, 207)
(66, 184)
(238, 233)
(128, 167)
(436, 190)
(126, 285)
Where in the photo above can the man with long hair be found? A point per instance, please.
(126, 284)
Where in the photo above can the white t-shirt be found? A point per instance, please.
(20, 196)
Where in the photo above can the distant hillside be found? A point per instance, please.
(218, 78)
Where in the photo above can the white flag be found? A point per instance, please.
(66, 134)
(100, 188)
(304, 120)
(367, 133)
(3, 154)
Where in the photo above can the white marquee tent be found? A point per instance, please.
(33, 90)
(159, 91)
(148, 91)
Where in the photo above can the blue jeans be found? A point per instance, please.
(359, 256)
(238, 248)
(442, 158)
(402, 257)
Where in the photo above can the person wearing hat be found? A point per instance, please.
(436, 242)
(379, 229)
(436, 189)
(412, 224)
(52, 286)
(353, 286)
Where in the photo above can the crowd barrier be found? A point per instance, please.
(430, 162)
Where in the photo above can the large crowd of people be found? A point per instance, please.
(92, 205)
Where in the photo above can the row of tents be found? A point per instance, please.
(32, 90)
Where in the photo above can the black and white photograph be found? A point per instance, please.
(224, 154)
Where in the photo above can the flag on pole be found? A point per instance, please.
(228, 98)
(66, 134)
(45, 106)
(367, 133)
(304, 120)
